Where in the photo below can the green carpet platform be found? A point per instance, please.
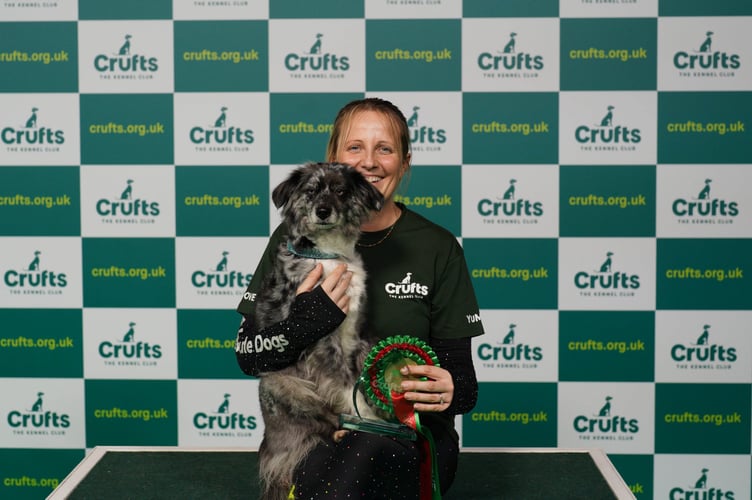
(190, 473)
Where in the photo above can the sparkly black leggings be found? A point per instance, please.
(368, 466)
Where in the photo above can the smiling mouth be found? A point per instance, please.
(372, 178)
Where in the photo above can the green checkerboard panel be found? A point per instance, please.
(592, 158)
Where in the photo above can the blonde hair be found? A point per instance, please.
(344, 119)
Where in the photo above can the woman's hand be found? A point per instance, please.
(433, 394)
(335, 285)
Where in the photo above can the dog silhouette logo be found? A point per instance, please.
(700, 489)
(605, 410)
(705, 192)
(509, 337)
(225, 406)
(222, 266)
(316, 47)
(34, 264)
(407, 279)
(702, 481)
(37, 406)
(130, 333)
(706, 44)
(509, 47)
(127, 193)
(31, 122)
(608, 120)
(413, 120)
(703, 338)
(606, 266)
(125, 49)
(509, 193)
(221, 121)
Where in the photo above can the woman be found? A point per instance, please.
(418, 285)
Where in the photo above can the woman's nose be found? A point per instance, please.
(368, 160)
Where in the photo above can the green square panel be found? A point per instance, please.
(22, 467)
(127, 129)
(320, 9)
(30, 348)
(40, 201)
(609, 54)
(131, 412)
(704, 274)
(228, 56)
(510, 8)
(606, 201)
(607, 346)
(704, 127)
(516, 273)
(702, 418)
(637, 472)
(512, 415)
(39, 57)
(413, 55)
(704, 8)
(129, 272)
(510, 127)
(130, 10)
(222, 201)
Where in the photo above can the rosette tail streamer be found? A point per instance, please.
(381, 379)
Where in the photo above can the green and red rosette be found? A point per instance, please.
(382, 378)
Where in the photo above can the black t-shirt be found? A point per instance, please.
(417, 281)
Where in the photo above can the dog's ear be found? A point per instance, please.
(285, 189)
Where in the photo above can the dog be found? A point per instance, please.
(606, 266)
(323, 206)
(509, 47)
(125, 49)
(705, 47)
(605, 411)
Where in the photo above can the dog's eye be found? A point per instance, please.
(340, 192)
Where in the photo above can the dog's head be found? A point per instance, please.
(318, 197)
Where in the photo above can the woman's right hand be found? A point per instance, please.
(335, 285)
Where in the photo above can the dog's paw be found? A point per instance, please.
(339, 435)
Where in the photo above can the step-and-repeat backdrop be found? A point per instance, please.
(593, 157)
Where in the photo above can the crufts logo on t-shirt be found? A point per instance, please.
(406, 288)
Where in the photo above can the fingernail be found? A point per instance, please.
(404, 370)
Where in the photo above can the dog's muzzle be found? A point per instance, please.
(323, 215)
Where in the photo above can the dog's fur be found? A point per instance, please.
(323, 206)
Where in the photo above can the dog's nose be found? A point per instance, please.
(323, 212)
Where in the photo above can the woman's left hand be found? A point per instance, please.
(433, 394)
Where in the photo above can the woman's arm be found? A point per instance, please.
(312, 315)
(455, 356)
(316, 311)
(449, 388)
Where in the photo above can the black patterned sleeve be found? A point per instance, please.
(456, 357)
(312, 315)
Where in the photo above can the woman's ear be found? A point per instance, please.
(406, 163)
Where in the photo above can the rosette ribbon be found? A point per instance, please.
(381, 378)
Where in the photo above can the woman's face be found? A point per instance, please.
(372, 148)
